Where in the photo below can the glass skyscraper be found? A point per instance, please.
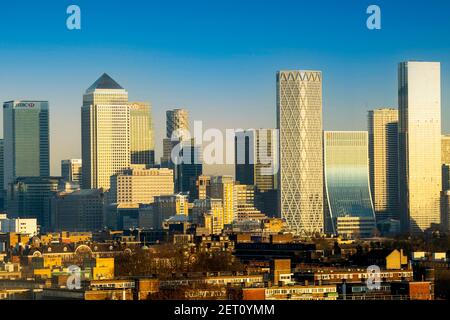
(299, 120)
(26, 140)
(141, 127)
(349, 208)
(420, 173)
(105, 132)
(383, 160)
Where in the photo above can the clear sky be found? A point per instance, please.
(217, 58)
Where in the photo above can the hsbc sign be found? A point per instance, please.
(26, 105)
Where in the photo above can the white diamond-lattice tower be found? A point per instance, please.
(299, 119)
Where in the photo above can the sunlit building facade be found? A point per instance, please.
(383, 161)
(420, 172)
(299, 121)
(349, 207)
(105, 130)
(71, 170)
(142, 144)
(222, 187)
(26, 140)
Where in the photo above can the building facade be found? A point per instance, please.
(383, 161)
(299, 121)
(138, 185)
(348, 200)
(105, 131)
(222, 187)
(77, 211)
(28, 197)
(26, 139)
(71, 170)
(420, 173)
(142, 144)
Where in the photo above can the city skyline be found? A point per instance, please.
(185, 73)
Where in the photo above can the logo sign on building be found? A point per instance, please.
(25, 105)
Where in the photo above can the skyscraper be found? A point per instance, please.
(71, 170)
(256, 160)
(349, 209)
(256, 163)
(177, 127)
(105, 131)
(141, 126)
(26, 140)
(383, 160)
(177, 120)
(445, 149)
(299, 120)
(28, 197)
(420, 184)
(2, 189)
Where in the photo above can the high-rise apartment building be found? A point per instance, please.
(105, 131)
(71, 170)
(383, 160)
(420, 184)
(142, 145)
(26, 140)
(138, 185)
(177, 121)
(348, 202)
(299, 121)
(177, 129)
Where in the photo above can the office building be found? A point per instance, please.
(202, 185)
(139, 185)
(420, 173)
(26, 139)
(299, 121)
(256, 160)
(167, 206)
(445, 149)
(209, 213)
(28, 197)
(105, 131)
(71, 170)
(383, 161)
(77, 211)
(22, 226)
(189, 167)
(256, 163)
(222, 187)
(142, 145)
(348, 202)
(2, 189)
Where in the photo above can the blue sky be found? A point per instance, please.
(216, 58)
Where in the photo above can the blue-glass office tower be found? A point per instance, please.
(348, 203)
